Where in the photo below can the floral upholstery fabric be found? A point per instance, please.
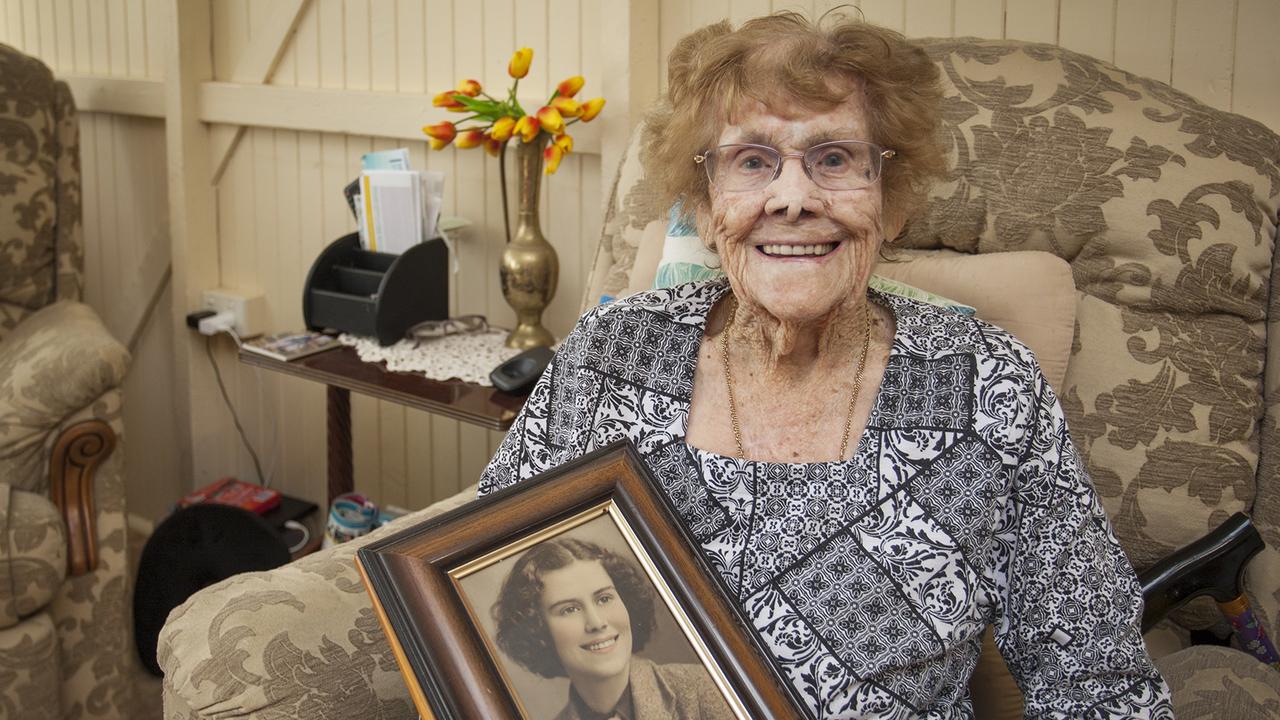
(55, 362)
(29, 670)
(41, 251)
(33, 553)
(1165, 210)
(633, 204)
(58, 367)
(1218, 682)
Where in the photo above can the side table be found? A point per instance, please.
(342, 371)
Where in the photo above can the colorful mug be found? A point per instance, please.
(350, 516)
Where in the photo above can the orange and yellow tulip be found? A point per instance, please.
(520, 61)
(591, 108)
(527, 128)
(567, 107)
(502, 128)
(448, 101)
(550, 119)
(552, 156)
(441, 134)
(493, 122)
(470, 139)
(570, 87)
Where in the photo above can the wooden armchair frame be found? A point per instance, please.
(77, 454)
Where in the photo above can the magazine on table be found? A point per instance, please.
(291, 345)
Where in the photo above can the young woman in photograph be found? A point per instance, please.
(571, 608)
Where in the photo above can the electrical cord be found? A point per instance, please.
(302, 530)
(226, 397)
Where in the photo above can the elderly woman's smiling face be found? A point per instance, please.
(794, 249)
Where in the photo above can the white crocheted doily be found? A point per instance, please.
(468, 356)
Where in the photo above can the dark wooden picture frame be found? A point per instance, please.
(445, 657)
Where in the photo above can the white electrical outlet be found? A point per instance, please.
(250, 311)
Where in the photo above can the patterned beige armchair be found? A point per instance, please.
(1165, 211)
(65, 639)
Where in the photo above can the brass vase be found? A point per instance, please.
(530, 267)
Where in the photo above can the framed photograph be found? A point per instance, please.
(574, 594)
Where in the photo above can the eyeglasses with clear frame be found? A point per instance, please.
(432, 329)
(835, 165)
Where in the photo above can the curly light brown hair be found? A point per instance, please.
(785, 61)
(521, 626)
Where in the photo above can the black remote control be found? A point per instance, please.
(521, 371)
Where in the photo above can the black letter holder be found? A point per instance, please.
(376, 294)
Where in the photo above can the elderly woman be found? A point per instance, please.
(874, 478)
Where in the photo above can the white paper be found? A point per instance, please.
(364, 236)
(393, 209)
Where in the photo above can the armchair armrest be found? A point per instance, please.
(56, 362)
(301, 640)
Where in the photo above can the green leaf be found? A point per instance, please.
(487, 108)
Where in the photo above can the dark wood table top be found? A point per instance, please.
(484, 406)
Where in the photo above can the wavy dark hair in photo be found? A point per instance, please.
(794, 65)
(522, 630)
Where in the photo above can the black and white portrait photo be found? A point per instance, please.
(581, 632)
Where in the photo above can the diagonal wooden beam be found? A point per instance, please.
(256, 64)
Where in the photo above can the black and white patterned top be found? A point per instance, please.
(872, 580)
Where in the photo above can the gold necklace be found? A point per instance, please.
(853, 399)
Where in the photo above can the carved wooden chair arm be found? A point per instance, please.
(77, 454)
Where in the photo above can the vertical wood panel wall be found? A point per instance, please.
(1222, 52)
(278, 202)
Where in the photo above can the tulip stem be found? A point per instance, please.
(511, 97)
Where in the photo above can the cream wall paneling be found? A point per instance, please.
(291, 77)
(256, 64)
(353, 77)
(1220, 51)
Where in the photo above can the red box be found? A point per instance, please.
(230, 491)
